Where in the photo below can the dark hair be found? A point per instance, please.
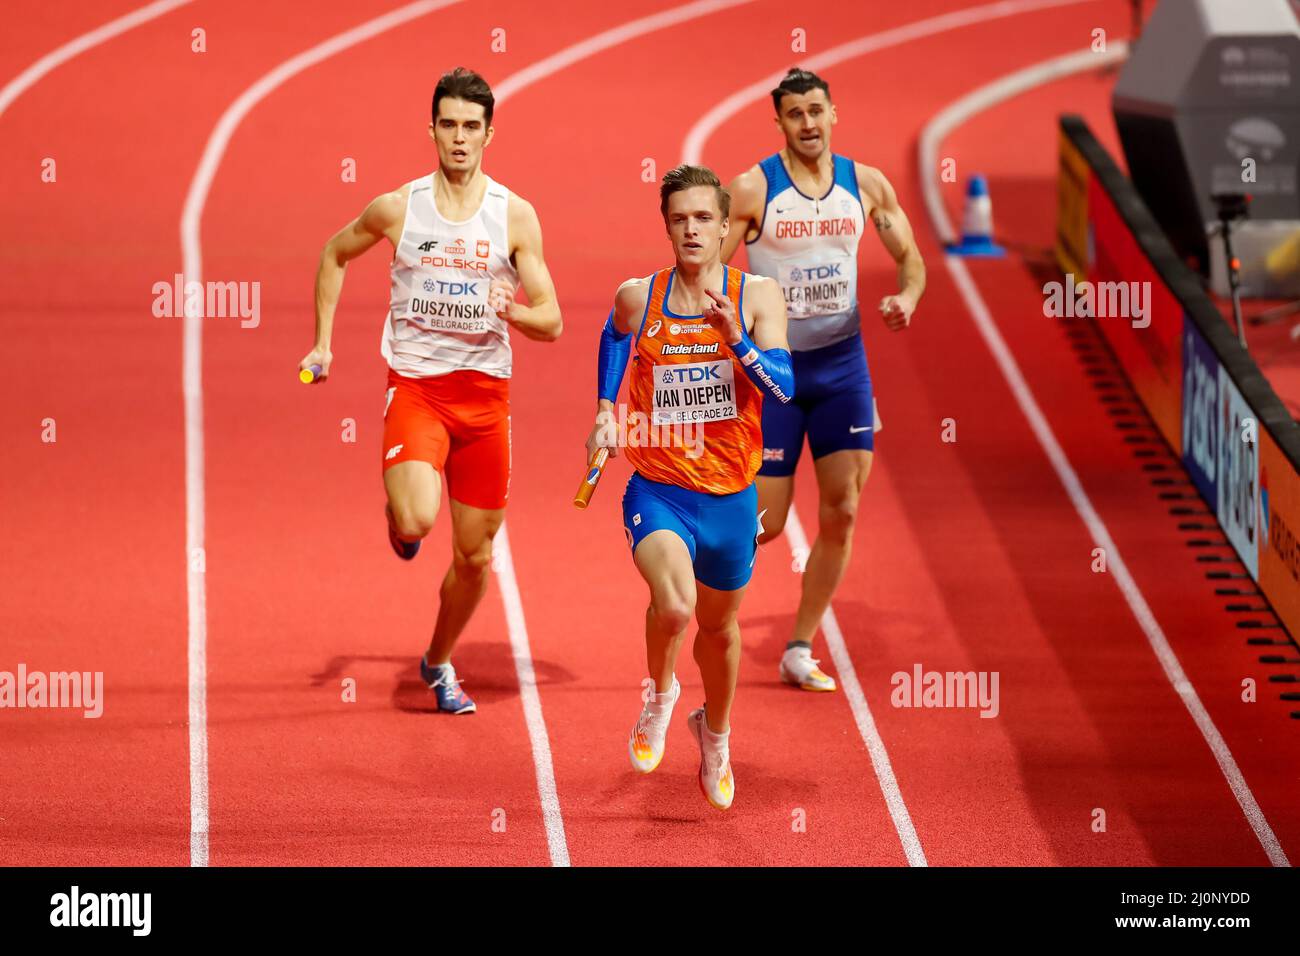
(686, 177)
(463, 84)
(798, 81)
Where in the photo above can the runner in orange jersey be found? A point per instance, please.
(708, 349)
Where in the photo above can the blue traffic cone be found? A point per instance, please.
(977, 223)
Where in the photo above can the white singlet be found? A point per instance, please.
(810, 246)
(438, 315)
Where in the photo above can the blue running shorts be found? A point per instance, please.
(832, 406)
(720, 531)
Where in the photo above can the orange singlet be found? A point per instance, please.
(685, 376)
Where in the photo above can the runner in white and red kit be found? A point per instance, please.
(462, 244)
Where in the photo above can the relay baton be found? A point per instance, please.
(309, 375)
(594, 470)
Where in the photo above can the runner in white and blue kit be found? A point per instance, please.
(801, 213)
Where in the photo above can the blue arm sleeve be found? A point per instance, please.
(614, 350)
(770, 370)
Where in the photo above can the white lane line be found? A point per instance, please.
(192, 384)
(692, 152)
(531, 698)
(952, 117)
(192, 249)
(603, 41)
(74, 47)
(196, 608)
(862, 713)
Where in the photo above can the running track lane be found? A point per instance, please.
(89, 553)
(384, 786)
(1211, 649)
(452, 748)
(784, 775)
(696, 138)
(93, 548)
(97, 545)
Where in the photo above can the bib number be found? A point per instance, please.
(694, 392)
(816, 289)
(450, 306)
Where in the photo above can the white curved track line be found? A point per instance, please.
(699, 134)
(951, 118)
(603, 41)
(986, 97)
(192, 383)
(74, 47)
(692, 152)
(192, 367)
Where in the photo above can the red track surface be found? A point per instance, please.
(969, 554)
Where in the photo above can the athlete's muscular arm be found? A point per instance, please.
(748, 192)
(629, 304)
(766, 303)
(895, 233)
(383, 217)
(540, 319)
(765, 356)
(615, 346)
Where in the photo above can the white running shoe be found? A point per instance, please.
(716, 780)
(645, 746)
(799, 668)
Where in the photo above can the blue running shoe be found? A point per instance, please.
(442, 681)
(405, 550)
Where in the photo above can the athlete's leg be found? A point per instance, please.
(774, 496)
(783, 431)
(472, 530)
(727, 549)
(414, 453)
(414, 491)
(717, 652)
(660, 531)
(664, 561)
(841, 476)
(841, 429)
(478, 478)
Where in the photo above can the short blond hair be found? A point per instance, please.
(686, 176)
